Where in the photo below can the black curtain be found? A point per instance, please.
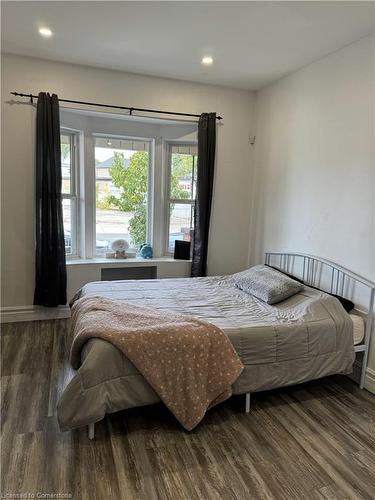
(50, 266)
(205, 181)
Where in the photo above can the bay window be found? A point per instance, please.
(139, 185)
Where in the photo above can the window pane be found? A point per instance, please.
(183, 180)
(67, 219)
(66, 163)
(182, 176)
(181, 223)
(121, 192)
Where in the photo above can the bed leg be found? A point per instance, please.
(363, 368)
(363, 376)
(91, 431)
(247, 404)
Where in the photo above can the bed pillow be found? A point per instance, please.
(267, 284)
(347, 304)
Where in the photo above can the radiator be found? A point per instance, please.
(128, 273)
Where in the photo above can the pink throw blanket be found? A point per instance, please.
(191, 364)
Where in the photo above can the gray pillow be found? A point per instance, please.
(267, 284)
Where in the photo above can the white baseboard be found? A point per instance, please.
(32, 313)
(370, 380)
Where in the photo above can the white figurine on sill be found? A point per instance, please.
(119, 247)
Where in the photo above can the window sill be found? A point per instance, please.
(129, 262)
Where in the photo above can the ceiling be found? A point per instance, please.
(252, 43)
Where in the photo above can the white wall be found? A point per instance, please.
(228, 250)
(314, 162)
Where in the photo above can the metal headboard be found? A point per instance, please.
(332, 278)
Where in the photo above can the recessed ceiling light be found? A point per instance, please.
(45, 32)
(207, 60)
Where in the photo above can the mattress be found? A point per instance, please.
(358, 328)
(304, 337)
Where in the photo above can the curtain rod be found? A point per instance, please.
(128, 108)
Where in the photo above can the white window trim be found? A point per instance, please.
(74, 192)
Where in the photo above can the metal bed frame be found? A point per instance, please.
(338, 280)
(332, 278)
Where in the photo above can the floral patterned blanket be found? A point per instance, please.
(190, 363)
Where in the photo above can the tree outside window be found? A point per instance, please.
(132, 181)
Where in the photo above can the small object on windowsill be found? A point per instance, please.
(120, 254)
(119, 248)
(145, 251)
(182, 250)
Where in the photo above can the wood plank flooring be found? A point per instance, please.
(314, 441)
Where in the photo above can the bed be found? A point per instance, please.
(305, 337)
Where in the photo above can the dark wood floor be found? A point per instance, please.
(312, 441)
